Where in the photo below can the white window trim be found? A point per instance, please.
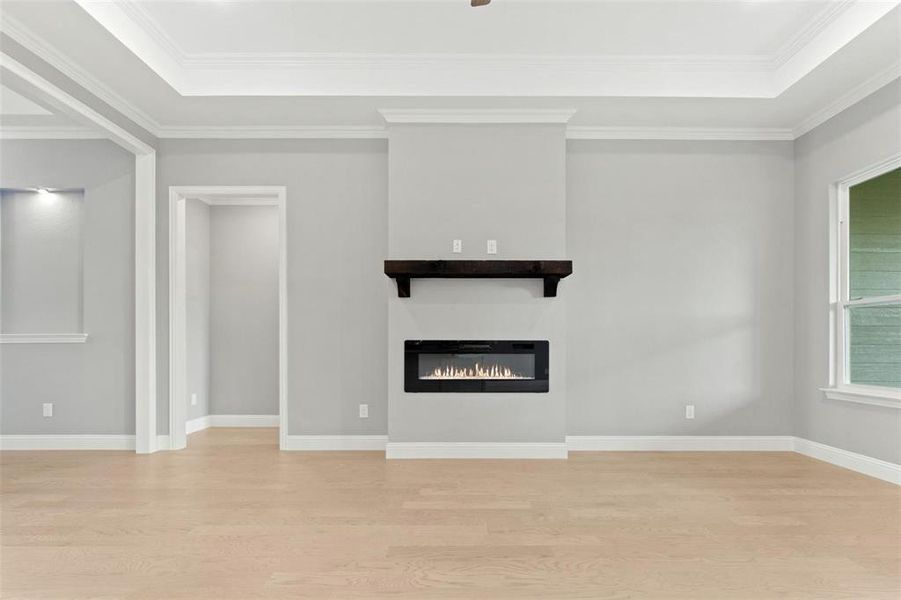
(839, 387)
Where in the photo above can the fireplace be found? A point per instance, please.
(475, 366)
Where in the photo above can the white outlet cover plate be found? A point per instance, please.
(492, 246)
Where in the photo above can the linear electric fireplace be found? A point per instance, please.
(475, 366)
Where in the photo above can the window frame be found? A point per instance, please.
(840, 388)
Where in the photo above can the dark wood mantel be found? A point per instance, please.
(551, 271)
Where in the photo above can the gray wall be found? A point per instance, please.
(337, 240)
(41, 262)
(475, 183)
(197, 300)
(682, 287)
(91, 384)
(243, 292)
(863, 135)
(683, 282)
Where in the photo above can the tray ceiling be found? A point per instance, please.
(189, 67)
(426, 48)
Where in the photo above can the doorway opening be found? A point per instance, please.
(227, 309)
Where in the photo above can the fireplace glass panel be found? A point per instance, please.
(476, 366)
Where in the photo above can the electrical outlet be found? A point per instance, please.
(193, 399)
(48, 409)
(492, 247)
(689, 411)
(458, 246)
(364, 411)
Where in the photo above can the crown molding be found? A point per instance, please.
(270, 132)
(848, 99)
(299, 73)
(856, 17)
(678, 133)
(20, 132)
(56, 59)
(831, 13)
(475, 116)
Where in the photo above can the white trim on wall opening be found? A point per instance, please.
(229, 196)
(12, 71)
(840, 386)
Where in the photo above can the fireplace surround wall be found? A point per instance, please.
(513, 190)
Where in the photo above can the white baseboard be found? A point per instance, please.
(207, 421)
(336, 442)
(198, 424)
(860, 463)
(867, 465)
(67, 442)
(474, 450)
(243, 420)
(680, 443)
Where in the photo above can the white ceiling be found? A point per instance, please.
(190, 67)
(447, 48)
(545, 27)
(13, 103)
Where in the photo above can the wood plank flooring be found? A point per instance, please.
(233, 518)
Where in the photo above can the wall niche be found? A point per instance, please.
(41, 264)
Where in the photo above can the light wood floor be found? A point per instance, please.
(232, 518)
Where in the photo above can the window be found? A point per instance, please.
(867, 288)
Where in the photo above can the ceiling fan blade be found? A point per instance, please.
(479, 2)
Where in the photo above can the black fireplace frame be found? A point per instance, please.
(414, 348)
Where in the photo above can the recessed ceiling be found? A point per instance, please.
(178, 65)
(446, 48)
(545, 27)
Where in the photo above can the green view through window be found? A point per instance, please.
(873, 315)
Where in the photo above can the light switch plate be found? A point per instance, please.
(458, 246)
(689, 411)
(492, 247)
(193, 399)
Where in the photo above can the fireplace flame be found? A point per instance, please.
(494, 371)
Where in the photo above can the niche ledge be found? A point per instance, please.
(43, 338)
